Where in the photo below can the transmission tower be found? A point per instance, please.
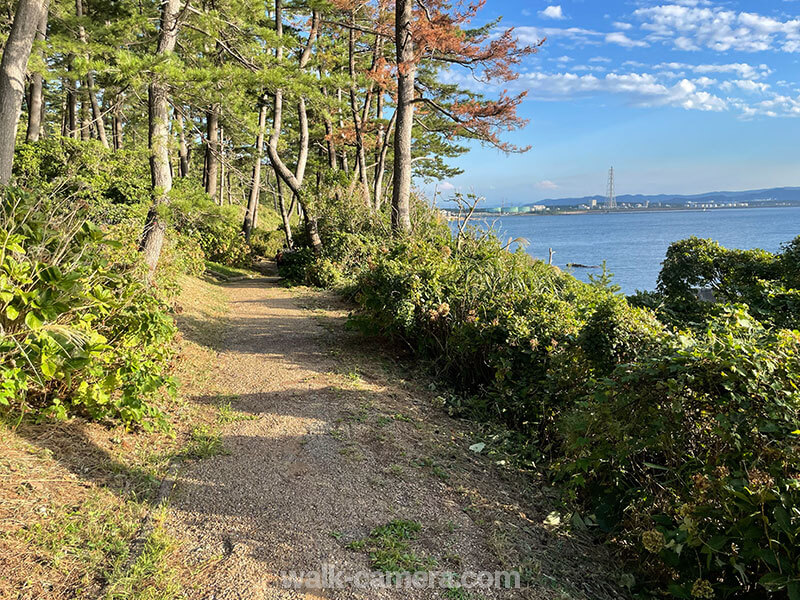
(611, 195)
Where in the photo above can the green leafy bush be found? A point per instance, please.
(85, 170)
(217, 229)
(79, 333)
(766, 282)
(693, 455)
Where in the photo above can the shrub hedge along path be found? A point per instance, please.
(335, 439)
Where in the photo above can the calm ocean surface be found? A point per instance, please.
(634, 244)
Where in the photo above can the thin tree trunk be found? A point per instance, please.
(345, 166)
(285, 217)
(380, 167)
(361, 159)
(97, 113)
(222, 166)
(36, 97)
(86, 123)
(212, 149)
(72, 104)
(183, 153)
(16, 53)
(255, 183)
(158, 139)
(406, 72)
(116, 123)
(294, 180)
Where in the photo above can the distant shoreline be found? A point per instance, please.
(605, 211)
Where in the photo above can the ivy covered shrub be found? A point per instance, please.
(79, 332)
(692, 455)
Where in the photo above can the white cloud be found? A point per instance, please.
(641, 89)
(546, 184)
(623, 26)
(743, 70)
(694, 25)
(620, 38)
(446, 186)
(552, 12)
(746, 85)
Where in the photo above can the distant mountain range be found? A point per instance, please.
(774, 194)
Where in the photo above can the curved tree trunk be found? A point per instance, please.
(160, 172)
(13, 66)
(406, 72)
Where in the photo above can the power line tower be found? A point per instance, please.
(611, 194)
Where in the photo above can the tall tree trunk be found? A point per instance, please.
(222, 166)
(380, 167)
(294, 180)
(72, 104)
(183, 151)
(36, 97)
(255, 183)
(116, 123)
(345, 166)
(158, 139)
(97, 113)
(17, 50)
(361, 159)
(86, 122)
(212, 150)
(406, 72)
(285, 216)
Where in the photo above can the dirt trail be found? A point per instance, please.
(336, 444)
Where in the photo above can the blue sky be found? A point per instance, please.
(680, 96)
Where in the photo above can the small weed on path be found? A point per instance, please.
(390, 550)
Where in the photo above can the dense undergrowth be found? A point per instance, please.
(81, 332)
(674, 423)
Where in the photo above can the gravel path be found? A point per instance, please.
(329, 452)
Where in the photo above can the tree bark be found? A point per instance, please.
(222, 166)
(116, 123)
(212, 150)
(36, 97)
(158, 139)
(285, 216)
(183, 152)
(14, 63)
(72, 105)
(406, 72)
(97, 113)
(86, 122)
(380, 167)
(255, 183)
